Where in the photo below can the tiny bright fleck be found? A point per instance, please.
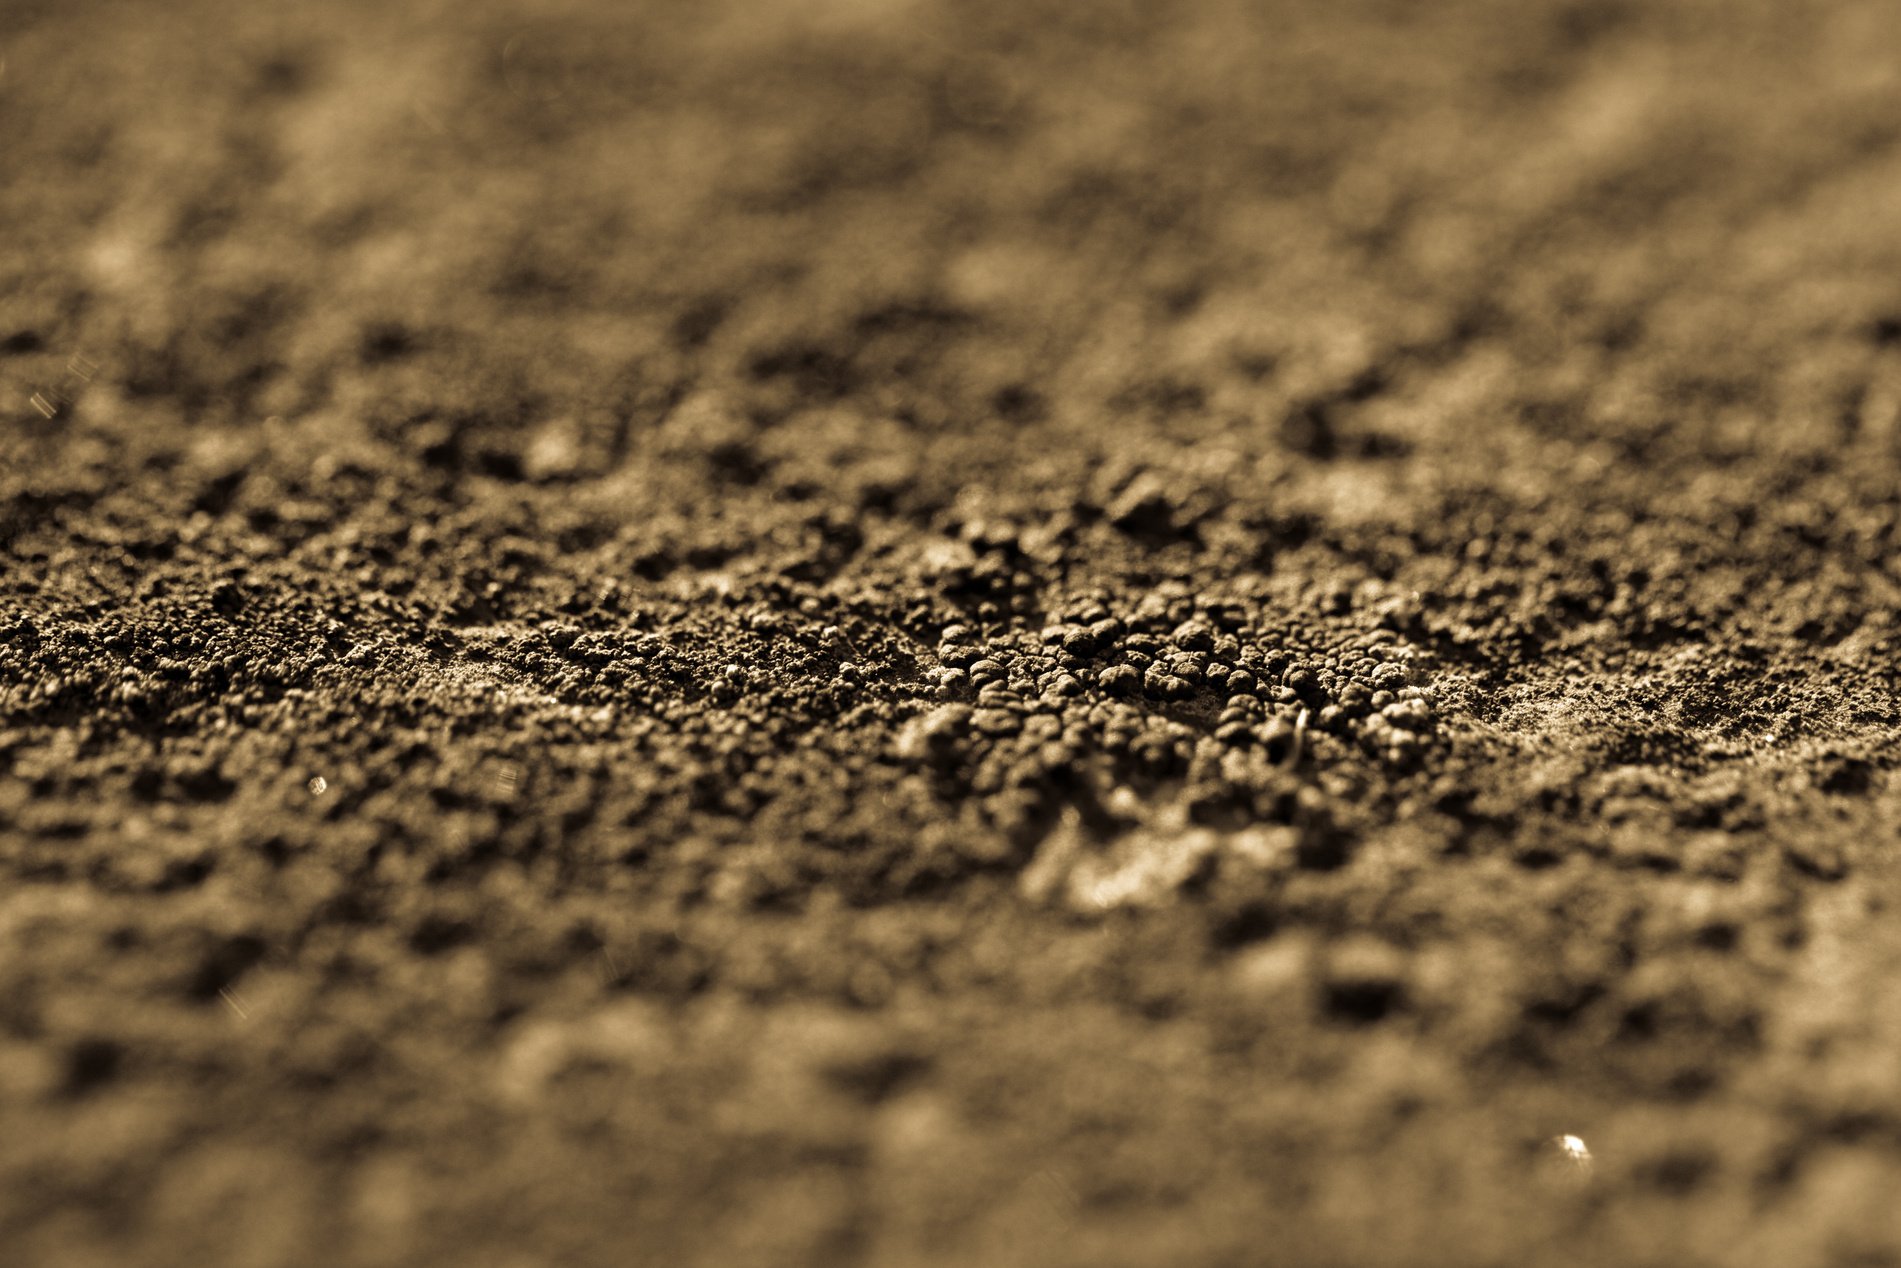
(318, 784)
(1571, 1156)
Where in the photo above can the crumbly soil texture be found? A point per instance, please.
(945, 632)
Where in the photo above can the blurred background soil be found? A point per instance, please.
(926, 632)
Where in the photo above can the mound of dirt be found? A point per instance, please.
(927, 632)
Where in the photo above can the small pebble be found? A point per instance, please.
(1566, 1160)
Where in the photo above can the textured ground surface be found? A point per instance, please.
(973, 632)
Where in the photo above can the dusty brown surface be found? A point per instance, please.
(797, 539)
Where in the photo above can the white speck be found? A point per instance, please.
(1300, 741)
(1570, 1158)
(318, 785)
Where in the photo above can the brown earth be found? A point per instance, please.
(938, 632)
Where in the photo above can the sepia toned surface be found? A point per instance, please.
(896, 632)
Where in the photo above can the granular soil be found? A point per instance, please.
(938, 632)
